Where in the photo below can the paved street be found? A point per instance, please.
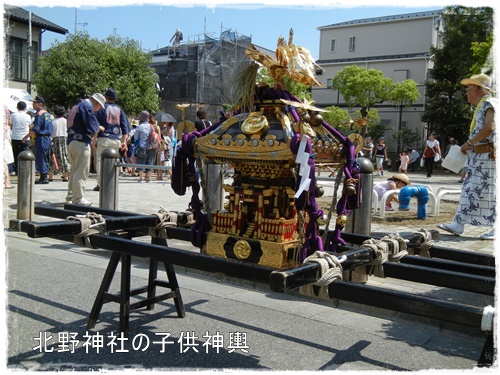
(51, 286)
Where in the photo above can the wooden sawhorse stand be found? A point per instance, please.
(123, 298)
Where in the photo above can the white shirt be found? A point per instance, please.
(20, 125)
(59, 128)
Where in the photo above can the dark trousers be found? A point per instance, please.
(429, 165)
(18, 147)
(42, 148)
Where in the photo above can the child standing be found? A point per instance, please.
(403, 156)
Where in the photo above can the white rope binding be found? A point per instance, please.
(91, 223)
(426, 245)
(167, 219)
(399, 247)
(381, 250)
(330, 270)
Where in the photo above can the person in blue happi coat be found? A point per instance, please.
(42, 130)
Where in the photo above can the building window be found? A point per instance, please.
(404, 124)
(386, 123)
(332, 45)
(17, 68)
(329, 82)
(352, 42)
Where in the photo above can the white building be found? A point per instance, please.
(396, 45)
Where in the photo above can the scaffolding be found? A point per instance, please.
(202, 72)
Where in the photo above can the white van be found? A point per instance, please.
(10, 97)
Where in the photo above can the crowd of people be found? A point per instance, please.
(70, 142)
(63, 143)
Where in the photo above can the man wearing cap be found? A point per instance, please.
(477, 203)
(398, 181)
(42, 130)
(113, 130)
(82, 126)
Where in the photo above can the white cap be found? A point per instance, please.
(99, 98)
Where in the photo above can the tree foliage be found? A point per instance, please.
(374, 128)
(467, 41)
(407, 138)
(80, 66)
(339, 118)
(362, 87)
(365, 88)
(297, 89)
(404, 93)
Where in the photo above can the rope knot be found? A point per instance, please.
(167, 219)
(330, 267)
(91, 223)
(381, 250)
(399, 247)
(427, 243)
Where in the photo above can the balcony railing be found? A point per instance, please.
(17, 69)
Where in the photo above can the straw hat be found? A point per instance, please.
(401, 177)
(481, 80)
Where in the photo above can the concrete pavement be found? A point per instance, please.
(51, 286)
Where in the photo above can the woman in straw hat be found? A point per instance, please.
(398, 181)
(478, 199)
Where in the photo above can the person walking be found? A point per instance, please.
(58, 148)
(404, 158)
(113, 130)
(20, 128)
(380, 156)
(477, 204)
(431, 151)
(82, 127)
(145, 154)
(42, 130)
(367, 149)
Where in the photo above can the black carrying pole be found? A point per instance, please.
(407, 303)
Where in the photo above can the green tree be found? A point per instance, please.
(362, 87)
(466, 47)
(403, 94)
(374, 128)
(297, 89)
(339, 118)
(80, 66)
(407, 138)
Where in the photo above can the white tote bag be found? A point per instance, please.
(455, 160)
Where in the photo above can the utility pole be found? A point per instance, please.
(76, 21)
(28, 53)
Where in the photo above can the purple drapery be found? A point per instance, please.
(333, 239)
(306, 201)
(201, 225)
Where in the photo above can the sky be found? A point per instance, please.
(153, 23)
